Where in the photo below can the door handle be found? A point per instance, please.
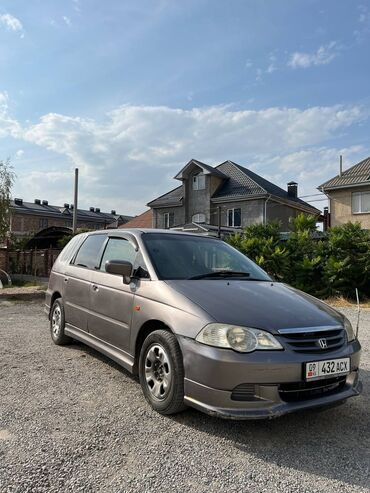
(95, 288)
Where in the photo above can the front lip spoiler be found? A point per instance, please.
(279, 409)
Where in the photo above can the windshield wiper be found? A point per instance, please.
(220, 273)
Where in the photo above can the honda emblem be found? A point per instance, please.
(323, 343)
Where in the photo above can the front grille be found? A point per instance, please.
(307, 340)
(301, 391)
(244, 392)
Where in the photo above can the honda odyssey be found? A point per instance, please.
(201, 324)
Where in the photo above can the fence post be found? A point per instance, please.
(47, 262)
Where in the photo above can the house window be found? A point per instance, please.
(199, 182)
(199, 218)
(168, 219)
(43, 223)
(360, 202)
(234, 218)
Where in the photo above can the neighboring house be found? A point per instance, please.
(39, 219)
(144, 220)
(349, 195)
(228, 192)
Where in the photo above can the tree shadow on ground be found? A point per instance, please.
(333, 443)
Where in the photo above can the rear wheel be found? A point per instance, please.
(57, 322)
(161, 372)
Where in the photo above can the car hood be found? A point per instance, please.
(260, 304)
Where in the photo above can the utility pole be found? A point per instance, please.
(219, 222)
(75, 204)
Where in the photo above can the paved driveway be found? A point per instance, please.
(71, 420)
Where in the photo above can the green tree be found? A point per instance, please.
(262, 243)
(347, 264)
(7, 177)
(305, 256)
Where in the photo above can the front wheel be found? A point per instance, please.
(161, 372)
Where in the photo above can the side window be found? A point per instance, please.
(199, 218)
(168, 219)
(118, 249)
(88, 254)
(234, 217)
(199, 182)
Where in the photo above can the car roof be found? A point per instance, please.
(140, 231)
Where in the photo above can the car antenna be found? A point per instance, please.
(358, 313)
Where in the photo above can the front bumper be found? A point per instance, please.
(213, 377)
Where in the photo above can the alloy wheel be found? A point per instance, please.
(158, 373)
(56, 320)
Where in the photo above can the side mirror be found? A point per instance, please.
(120, 268)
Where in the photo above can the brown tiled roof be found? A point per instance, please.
(144, 220)
(359, 174)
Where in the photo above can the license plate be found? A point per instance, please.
(322, 369)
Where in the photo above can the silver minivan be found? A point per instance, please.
(201, 324)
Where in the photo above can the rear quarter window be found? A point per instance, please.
(89, 253)
(69, 250)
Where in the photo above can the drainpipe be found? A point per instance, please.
(265, 211)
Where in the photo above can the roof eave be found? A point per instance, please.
(167, 204)
(324, 188)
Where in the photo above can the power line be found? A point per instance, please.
(311, 195)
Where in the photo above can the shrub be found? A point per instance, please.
(334, 265)
(348, 260)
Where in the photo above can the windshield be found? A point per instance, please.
(185, 257)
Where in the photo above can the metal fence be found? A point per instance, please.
(36, 263)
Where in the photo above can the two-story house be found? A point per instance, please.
(349, 195)
(229, 195)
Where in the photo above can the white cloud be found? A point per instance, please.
(19, 153)
(363, 30)
(272, 67)
(76, 5)
(11, 23)
(130, 156)
(324, 55)
(8, 125)
(67, 20)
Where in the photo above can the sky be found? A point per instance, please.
(129, 91)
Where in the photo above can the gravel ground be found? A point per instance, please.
(71, 420)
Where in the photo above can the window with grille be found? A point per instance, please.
(199, 218)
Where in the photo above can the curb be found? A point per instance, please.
(33, 295)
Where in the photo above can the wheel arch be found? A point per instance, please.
(148, 327)
(54, 297)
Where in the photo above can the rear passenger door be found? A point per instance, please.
(111, 301)
(77, 280)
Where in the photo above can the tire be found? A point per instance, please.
(161, 372)
(57, 323)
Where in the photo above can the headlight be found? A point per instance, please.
(242, 339)
(349, 329)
